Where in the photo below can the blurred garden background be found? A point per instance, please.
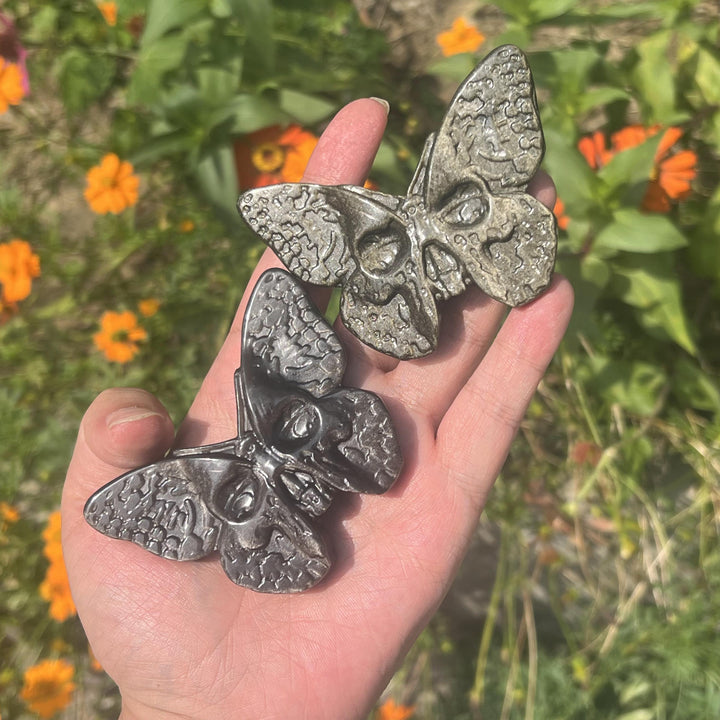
(126, 132)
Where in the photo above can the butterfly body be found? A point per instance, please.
(301, 438)
(466, 219)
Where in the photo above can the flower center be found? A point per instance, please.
(268, 157)
(120, 336)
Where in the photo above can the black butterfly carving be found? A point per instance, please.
(466, 218)
(301, 437)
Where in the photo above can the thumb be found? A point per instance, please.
(122, 429)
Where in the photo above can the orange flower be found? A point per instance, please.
(11, 85)
(18, 266)
(671, 175)
(273, 155)
(111, 186)
(460, 38)
(593, 149)
(119, 336)
(55, 589)
(52, 538)
(148, 307)
(109, 12)
(8, 513)
(187, 226)
(48, 687)
(390, 710)
(559, 211)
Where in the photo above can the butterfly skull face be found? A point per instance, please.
(410, 254)
(466, 219)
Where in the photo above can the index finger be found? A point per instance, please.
(343, 155)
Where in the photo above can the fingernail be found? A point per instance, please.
(128, 415)
(383, 102)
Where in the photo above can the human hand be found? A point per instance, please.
(181, 640)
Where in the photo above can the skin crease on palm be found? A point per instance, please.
(181, 640)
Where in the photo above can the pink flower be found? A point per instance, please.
(12, 50)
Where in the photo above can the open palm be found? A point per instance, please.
(181, 640)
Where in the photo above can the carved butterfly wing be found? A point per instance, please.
(474, 173)
(292, 366)
(164, 507)
(338, 235)
(271, 548)
(186, 508)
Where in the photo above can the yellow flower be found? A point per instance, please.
(390, 710)
(8, 513)
(187, 226)
(111, 186)
(119, 336)
(55, 589)
(109, 12)
(11, 85)
(273, 155)
(148, 307)
(48, 687)
(460, 38)
(18, 266)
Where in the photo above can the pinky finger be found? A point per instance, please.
(474, 437)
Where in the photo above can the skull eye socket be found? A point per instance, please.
(465, 205)
(383, 250)
(236, 502)
(296, 423)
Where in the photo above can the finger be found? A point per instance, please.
(542, 187)
(469, 322)
(428, 386)
(123, 428)
(344, 154)
(493, 402)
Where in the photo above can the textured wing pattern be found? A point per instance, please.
(162, 507)
(290, 556)
(285, 337)
(390, 327)
(512, 257)
(307, 233)
(492, 127)
(367, 457)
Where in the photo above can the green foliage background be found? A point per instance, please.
(606, 599)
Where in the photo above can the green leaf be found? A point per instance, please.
(593, 97)
(256, 18)
(306, 109)
(217, 178)
(153, 62)
(455, 68)
(632, 166)
(217, 85)
(707, 77)
(575, 180)
(649, 284)
(252, 112)
(546, 9)
(164, 15)
(44, 25)
(635, 231)
(84, 78)
(655, 78)
(694, 387)
(635, 386)
(178, 142)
